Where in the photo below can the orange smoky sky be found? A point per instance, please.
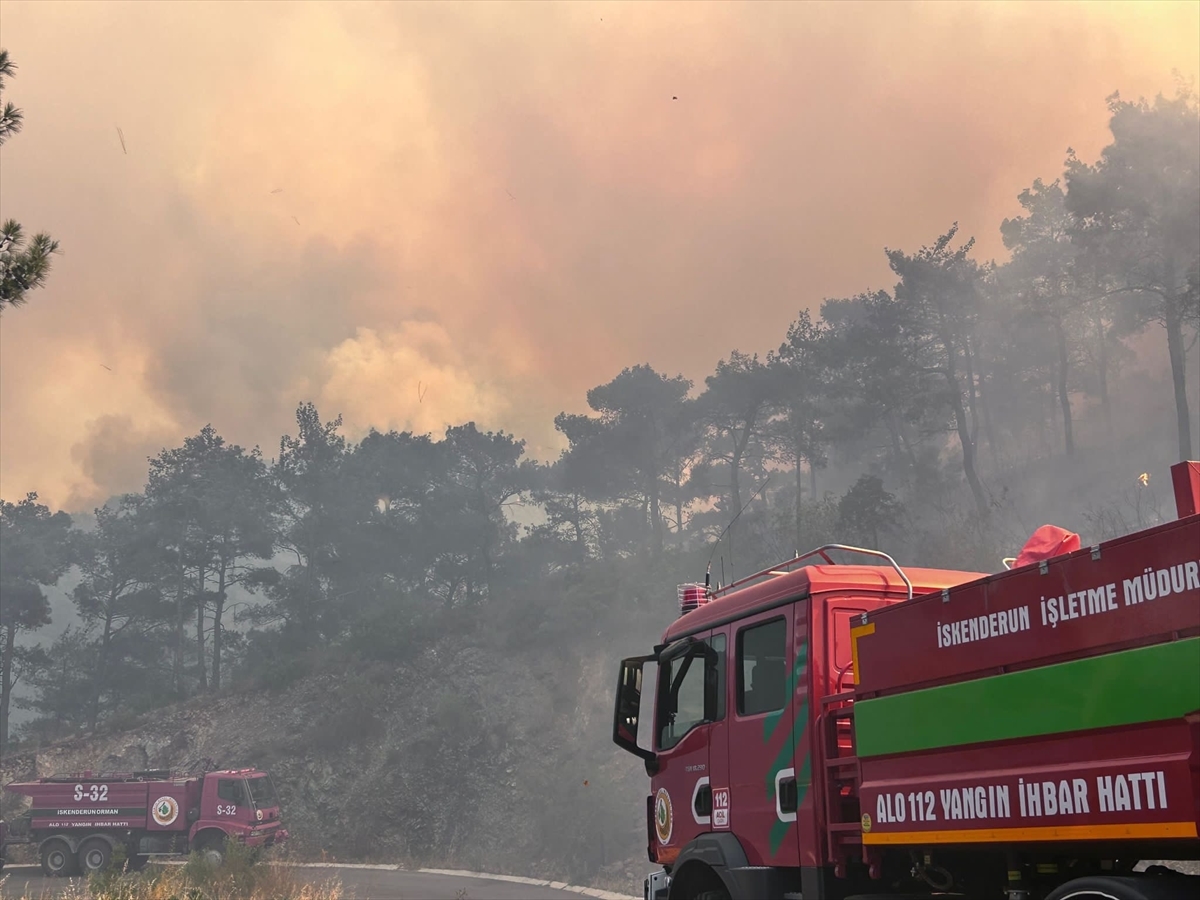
(504, 203)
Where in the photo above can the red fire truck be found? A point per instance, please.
(875, 731)
(78, 821)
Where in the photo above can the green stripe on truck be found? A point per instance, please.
(1147, 684)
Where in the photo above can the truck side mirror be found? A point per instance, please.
(627, 716)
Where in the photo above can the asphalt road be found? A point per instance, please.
(358, 884)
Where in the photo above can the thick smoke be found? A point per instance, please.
(504, 203)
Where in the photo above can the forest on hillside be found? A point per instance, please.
(921, 404)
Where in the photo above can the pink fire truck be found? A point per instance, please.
(78, 821)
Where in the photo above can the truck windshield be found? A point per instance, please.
(262, 791)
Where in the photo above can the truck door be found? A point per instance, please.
(690, 700)
(717, 790)
(762, 741)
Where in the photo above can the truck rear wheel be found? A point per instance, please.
(1107, 887)
(57, 859)
(95, 854)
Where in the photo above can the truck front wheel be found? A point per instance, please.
(95, 854)
(57, 859)
(211, 846)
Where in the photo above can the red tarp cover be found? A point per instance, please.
(1047, 542)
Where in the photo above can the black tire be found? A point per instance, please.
(1107, 887)
(713, 895)
(135, 862)
(57, 859)
(95, 855)
(212, 848)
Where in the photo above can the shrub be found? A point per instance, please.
(238, 878)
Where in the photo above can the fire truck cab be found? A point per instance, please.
(735, 708)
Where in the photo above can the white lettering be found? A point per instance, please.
(1133, 590)
(1121, 793)
(1104, 788)
(1135, 780)
(1049, 798)
(1192, 570)
(1065, 807)
(985, 627)
(1177, 579)
(1035, 799)
(1081, 797)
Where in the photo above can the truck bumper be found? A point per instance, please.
(270, 839)
(656, 886)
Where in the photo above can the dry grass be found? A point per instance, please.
(237, 879)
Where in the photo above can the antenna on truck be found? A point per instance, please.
(717, 542)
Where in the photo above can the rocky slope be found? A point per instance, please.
(466, 757)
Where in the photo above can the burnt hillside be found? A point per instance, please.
(464, 757)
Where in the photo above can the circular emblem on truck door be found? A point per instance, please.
(664, 816)
(165, 810)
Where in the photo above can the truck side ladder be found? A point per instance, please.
(840, 781)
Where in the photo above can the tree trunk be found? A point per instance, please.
(10, 646)
(1064, 398)
(909, 453)
(972, 403)
(485, 549)
(1102, 368)
(580, 540)
(1053, 390)
(988, 427)
(218, 631)
(656, 523)
(798, 437)
(180, 618)
(964, 439)
(201, 603)
(735, 493)
(102, 675)
(1178, 356)
(895, 451)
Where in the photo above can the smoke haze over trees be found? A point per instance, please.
(900, 417)
(507, 243)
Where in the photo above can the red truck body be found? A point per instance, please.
(830, 731)
(1092, 722)
(79, 820)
